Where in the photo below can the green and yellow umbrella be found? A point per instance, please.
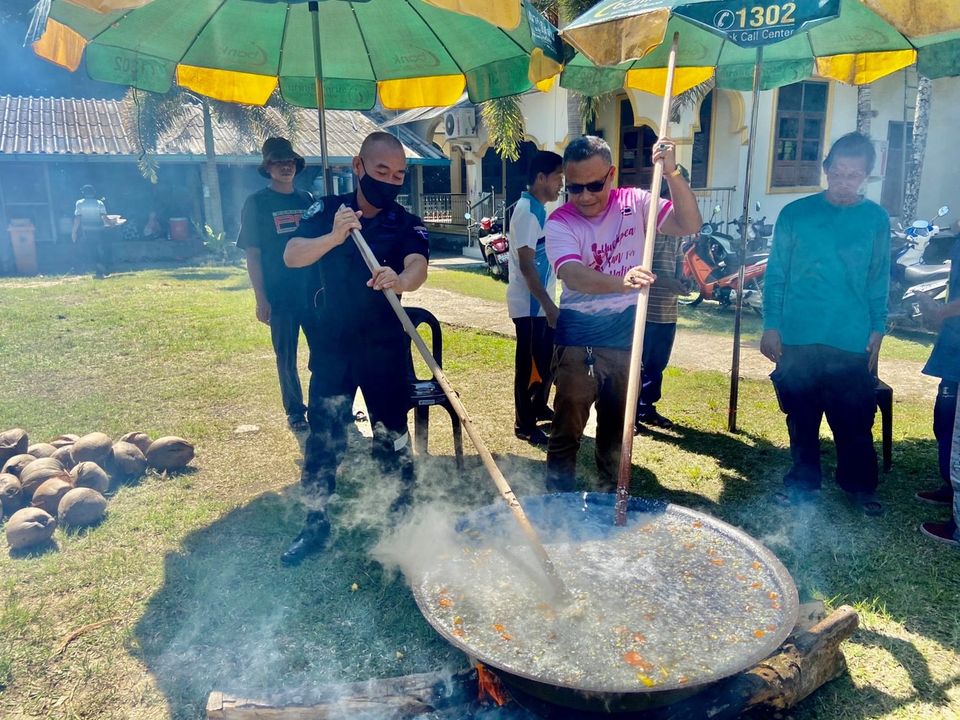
(853, 45)
(407, 53)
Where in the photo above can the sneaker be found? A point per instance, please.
(312, 539)
(943, 495)
(654, 419)
(944, 532)
(535, 437)
(298, 423)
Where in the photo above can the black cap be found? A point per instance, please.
(278, 148)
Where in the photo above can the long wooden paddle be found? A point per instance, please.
(557, 586)
(636, 349)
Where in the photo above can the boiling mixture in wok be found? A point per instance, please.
(667, 601)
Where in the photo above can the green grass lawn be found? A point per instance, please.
(180, 591)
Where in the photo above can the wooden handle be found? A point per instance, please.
(557, 586)
(636, 347)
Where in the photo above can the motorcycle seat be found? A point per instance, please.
(914, 274)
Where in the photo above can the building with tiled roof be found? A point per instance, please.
(50, 147)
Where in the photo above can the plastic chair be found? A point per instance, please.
(884, 396)
(426, 393)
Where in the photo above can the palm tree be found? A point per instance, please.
(503, 118)
(150, 117)
(921, 123)
(864, 108)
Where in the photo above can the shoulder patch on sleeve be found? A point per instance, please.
(314, 209)
(421, 231)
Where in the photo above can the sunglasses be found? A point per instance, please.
(594, 187)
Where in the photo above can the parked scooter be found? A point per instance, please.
(711, 266)
(910, 276)
(494, 245)
(759, 233)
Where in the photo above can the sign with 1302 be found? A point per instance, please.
(752, 23)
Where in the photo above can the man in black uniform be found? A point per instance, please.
(354, 336)
(270, 217)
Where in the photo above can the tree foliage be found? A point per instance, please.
(504, 121)
(150, 118)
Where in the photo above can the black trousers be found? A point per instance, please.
(380, 372)
(285, 334)
(534, 349)
(657, 345)
(944, 411)
(99, 249)
(816, 380)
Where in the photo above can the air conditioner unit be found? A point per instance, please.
(460, 123)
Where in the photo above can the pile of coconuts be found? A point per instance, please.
(64, 481)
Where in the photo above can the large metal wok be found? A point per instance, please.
(662, 608)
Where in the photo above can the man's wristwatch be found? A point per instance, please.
(676, 172)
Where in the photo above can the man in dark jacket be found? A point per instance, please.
(356, 340)
(270, 217)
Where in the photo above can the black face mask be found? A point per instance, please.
(377, 192)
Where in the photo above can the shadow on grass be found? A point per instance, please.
(230, 617)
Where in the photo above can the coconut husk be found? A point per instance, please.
(37, 473)
(29, 526)
(90, 475)
(48, 495)
(169, 453)
(94, 447)
(126, 460)
(10, 496)
(64, 455)
(81, 507)
(64, 440)
(140, 439)
(16, 464)
(13, 442)
(41, 450)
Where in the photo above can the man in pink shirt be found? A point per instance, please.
(595, 245)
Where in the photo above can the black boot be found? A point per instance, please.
(312, 539)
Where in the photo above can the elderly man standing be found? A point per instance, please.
(824, 315)
(595, 245)
(355, 339)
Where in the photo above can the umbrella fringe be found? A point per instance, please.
(38, 23)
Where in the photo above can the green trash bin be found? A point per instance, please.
(23, 240)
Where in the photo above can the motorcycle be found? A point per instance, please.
(494, 246)
(759, 232)
(910, 276)
(711, 264)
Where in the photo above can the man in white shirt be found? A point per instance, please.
(530, 296)
(89, 222)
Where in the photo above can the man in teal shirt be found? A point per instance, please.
(825, 310)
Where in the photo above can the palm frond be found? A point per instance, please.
(690, 99)
(504, 121)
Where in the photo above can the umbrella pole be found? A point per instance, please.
(640, 320)
(549, 570)
(318, 73)
(735, 367)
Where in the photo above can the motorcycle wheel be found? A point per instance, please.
(492, 267)
(505, 273)
(756, 287)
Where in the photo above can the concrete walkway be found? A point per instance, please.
(692, 350)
